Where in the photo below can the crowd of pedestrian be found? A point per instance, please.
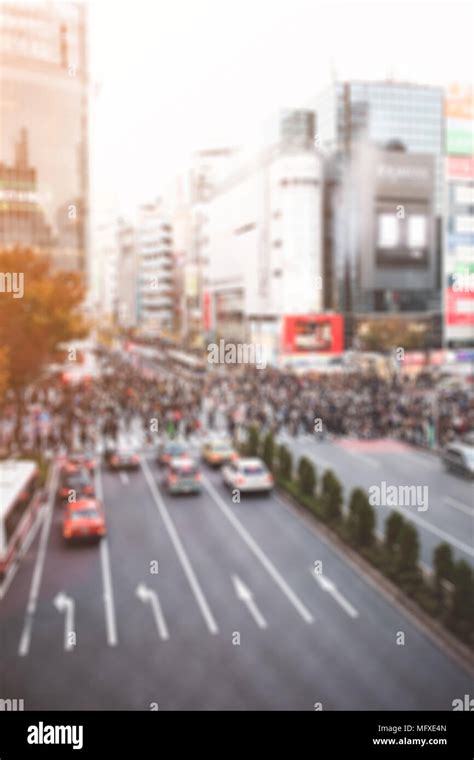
(55, 414)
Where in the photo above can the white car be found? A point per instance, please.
(248, 475)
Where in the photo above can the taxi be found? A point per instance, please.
(84, 520)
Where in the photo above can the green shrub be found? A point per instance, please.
(461, 618)
(268, 450)
(409, 549)
(306, 477)
(361, 520)
(393, 528)
(285, 463)
(443, 564)
(253, 441)
(331, 497)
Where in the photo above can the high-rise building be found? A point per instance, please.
(380, 112)
(44, 105)
(126, 275)
(264, 246)
(22, 220)
(155, 289)
(384, 187)
(191, 194)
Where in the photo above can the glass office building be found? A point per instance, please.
(44, 103)
(404, 124)
(382, 112)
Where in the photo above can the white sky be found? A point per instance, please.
(185, 74)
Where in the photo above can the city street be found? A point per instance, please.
(198, 603)
(449, 515)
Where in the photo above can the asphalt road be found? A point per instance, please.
(449, 513)
(235, 617)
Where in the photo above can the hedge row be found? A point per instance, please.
(447, 595)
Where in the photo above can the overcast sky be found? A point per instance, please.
(179, 75)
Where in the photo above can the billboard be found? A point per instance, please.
(459, 307)
(207, 313)
(394, 232)
(403, 210)
(402, 240)
(459, 116)
(313, 333)
(460, 168)
(459, 232)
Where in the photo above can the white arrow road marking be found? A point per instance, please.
(108, 591)
(260, 554)
(124, 478)
(147, 595)
(245, 595)
(179, 548)
(65, 604)
(25, 639)
(456, 504)
(331, 589)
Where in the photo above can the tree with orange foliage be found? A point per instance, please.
(45, 312)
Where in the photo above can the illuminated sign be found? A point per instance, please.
(318, 333)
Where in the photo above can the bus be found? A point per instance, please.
(20, 498)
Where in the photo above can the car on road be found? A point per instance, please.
(459, 458)
(75, 485)
(171, 450)
(218, 451)
(78, 460)
(84, 520)
(122, 459)
(182, 476)
(248, 475)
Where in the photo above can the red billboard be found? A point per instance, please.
(207, 320)
(313, 333)
(459, 307)
(460, 168)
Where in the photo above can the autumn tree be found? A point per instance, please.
(392, 332)
(3, 372)
(45, 312)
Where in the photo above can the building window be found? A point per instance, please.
(389, 231)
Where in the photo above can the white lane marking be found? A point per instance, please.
(413, 516)
(149, 596)
(261, 556)
(25, 638)
(320, 462)
(331, 588)
(64, 603)
(316, 458)
(124, 478)
(361, 457)
(245, 595)
(456, 504)
(12, 571)
(108, 590)
(178, 546)
(424, 461)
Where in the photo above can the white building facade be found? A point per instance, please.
(155, 269)
(264, 247)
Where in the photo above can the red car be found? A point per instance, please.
(78, 460)
(77, 483)
(84, 520)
